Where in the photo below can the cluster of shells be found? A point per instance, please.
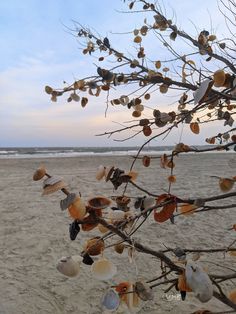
(124, 294)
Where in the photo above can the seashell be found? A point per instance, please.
(165, 213)
(77, 209)
(100, 173)
(226, 184)
(219, 78)
(88, 224)
(133, 175)
(202, 91)
(39, 173)
(64, 204)
(122, 202)
(143, 291)
(198, 280)
(102, 228)
(146, 161)
(172, 179)
(99, 202)
(148, 202)
(103, 269)
(74, 229)
(87, 259)
(50, 188)
(147, 131)
(187, 209)
(182, 284)
(119, 248)
(69, 265)
(194, 127)
(51, 181)
(163, 88)
(108, 172)
(95, 246)
(116, 215)
(110, 300)
(131, 299)
(232, 296)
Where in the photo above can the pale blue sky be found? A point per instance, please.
(36, 50)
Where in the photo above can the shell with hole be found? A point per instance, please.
(99, 202)
(110, 300)
(100, 172)
(69, 265)
(198, 280)
(128, 295)
(103, 269)
(52, 184)
(39, 173)
(77, 209)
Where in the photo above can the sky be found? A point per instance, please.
(37, 49)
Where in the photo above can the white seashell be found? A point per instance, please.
(198, 280)
(69, 265)
(201, 91)
(103, 269)
(110, 300)
(100, 173)
(148, 202)
(116, 215)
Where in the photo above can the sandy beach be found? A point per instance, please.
(34, 234)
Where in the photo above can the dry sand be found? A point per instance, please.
(34, 234)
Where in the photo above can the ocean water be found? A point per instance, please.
(46, 152)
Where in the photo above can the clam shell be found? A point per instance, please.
(39, 174)
(119, 248)
(100, 173)
(77, 209)
(69, 265)
(103, 269)
(99, 202)
(143, 291)
(198, 280)
(110, 300)
(64, 204)
(49, 189)
(95, 246)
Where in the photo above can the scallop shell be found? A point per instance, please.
(64, 204)
(39, 174)
(110, 300)
(143, 291)
(100, 173)
(95, 246)
(77, 209)
(103, 269)
(51, 187)
(99, 202)
(198, 280)
(69, 265)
